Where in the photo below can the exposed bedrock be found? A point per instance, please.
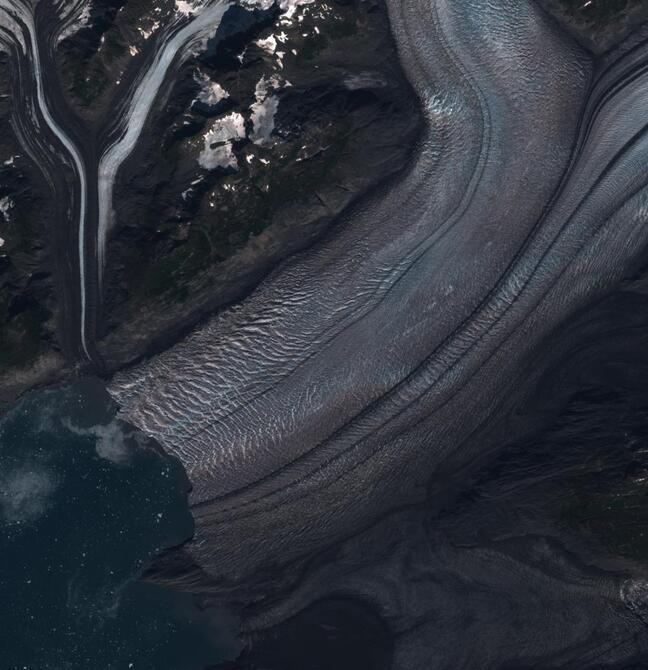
(283, 120)
(190, 146)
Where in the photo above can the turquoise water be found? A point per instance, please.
(85, 503)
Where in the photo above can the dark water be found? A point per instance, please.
(85, 502)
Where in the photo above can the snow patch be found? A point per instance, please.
(211, 92)
(185, 8)
(219, 140)
(263, 114)
(258, 4)
(147, 33)
(264, 109)
(6, 204)
(76, 24)
(287, 7)
(438, 107)
(269, 44)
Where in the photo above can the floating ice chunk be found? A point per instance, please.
(219, 141)
(25, 494)
(110, 440)
(9, 161)
(110, 443)
(2, 243)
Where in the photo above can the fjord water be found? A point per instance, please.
(85, 503)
